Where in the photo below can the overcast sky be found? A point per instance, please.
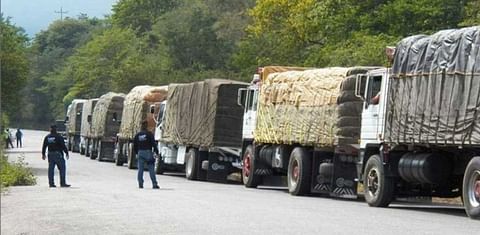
(36, 15)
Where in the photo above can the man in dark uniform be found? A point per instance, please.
(56, 147)
(143, 142)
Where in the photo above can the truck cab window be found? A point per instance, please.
(160, 112)
(374, 85)
(251, 100)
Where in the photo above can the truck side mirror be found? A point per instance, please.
(241, 96)
(152, 109)
(66, 119)
(89, 118)
(115, 117)
(360, 83)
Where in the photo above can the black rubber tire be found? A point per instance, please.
(191, 162)
(131, 158)
(353, 109)
(82, 150)
(159, 165)
(117, 156)
(348, 121)
(348, 83)
(250, 180)
(93, 154)
(348, 131)
(384, 193)
(471, 173)
(70, 145)
(347, 96)
(99, 151)
(300, 158)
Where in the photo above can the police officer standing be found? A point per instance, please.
(56, 146)
(143, 142)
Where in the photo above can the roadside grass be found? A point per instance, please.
(15, 173)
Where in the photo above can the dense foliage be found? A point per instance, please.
(15, 173)
(162, 41)
(14, 68)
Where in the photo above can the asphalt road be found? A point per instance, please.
(104, 199)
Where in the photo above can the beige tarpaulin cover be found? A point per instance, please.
(434, 95)
(74, 114)
(88, 106)
(303, 107)
(204, 114)
(103, 125)
(136, 108)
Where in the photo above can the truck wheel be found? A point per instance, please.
(159, 165)
(471, 188)
(191, 161)
(378, 188)
(250, 180)
(299, 172)
(131, 163)
(99, 151)
(82, 150)
(69, 144)
(93, 154)
(117, 155)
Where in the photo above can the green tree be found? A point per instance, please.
(140, 14)
(14, 67)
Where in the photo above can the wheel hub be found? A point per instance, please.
(474, 189)
(246, 165)
(372, 181)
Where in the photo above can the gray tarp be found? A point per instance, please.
(435, 89)
(74, 114)
(103, 125)
(136, 109)
(88, 106)
(204, 114)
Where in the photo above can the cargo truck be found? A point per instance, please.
(74, 123)
(106, 120)
(199, 130)
(302, 125)
(420, 131)
(136, 109)
(86, 127)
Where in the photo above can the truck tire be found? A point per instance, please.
(471, 188)
(347, 96)
(131, 160)
(250, 180)
(299, 172)
(350, 109)
(191, 162)
(99, 151)
(69, 143)
(379, 189)
(159, 165)
(82, 150)
(93, 154)
(117, 154)
(348, 83)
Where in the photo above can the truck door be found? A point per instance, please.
(374, 107)
(250, 115)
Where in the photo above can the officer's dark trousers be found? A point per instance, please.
(56, 159)
(146, 156)
(19, 141)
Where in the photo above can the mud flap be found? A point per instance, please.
(344, 174)
(218, 170)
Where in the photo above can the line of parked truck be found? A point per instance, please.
(408, 130)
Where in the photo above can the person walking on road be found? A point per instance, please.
(56, 147)
(19, 136)
(8, 138)
(143, 142)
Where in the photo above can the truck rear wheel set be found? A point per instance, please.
(250, 180)
(299, 172)
(191, 164)
(471, 188)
